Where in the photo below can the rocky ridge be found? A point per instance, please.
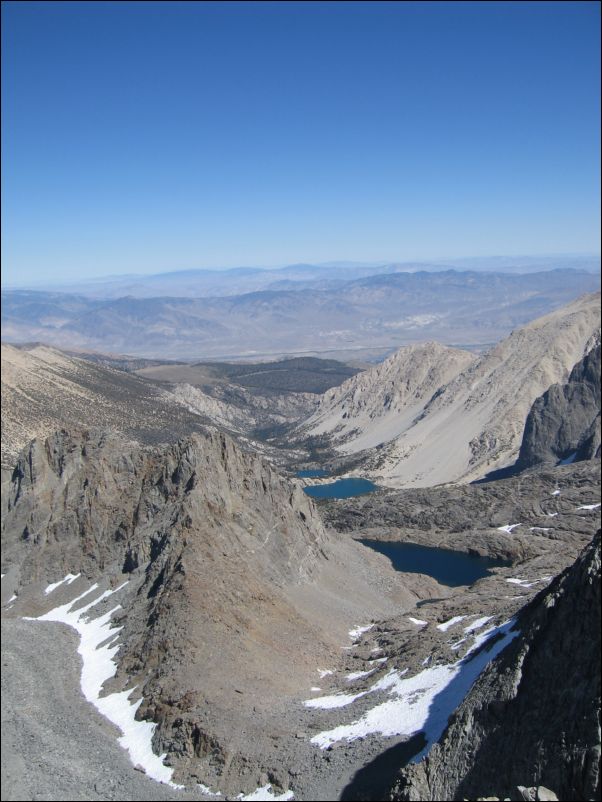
(222, 557)
(229, 648)
(239, 410)
(44, 389)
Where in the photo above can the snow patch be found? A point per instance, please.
(508, 528)
(324, 672)
(356, 633)
(12, 599)
(204, 789)
(67, 580)
(568, 460)
(418, 621)
(524, 583)
(98, 666)
(358, 674)
(588, 507)
(447, 624)
(555, 493)
(480, 622)
(425, 701)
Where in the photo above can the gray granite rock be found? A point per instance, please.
(561, 422)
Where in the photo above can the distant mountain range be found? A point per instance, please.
(202, 283)
(318, 314)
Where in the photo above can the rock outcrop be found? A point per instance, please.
(564, 421)
(533, 716)
(91, 500)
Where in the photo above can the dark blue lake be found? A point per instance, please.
(311, 474)
(342, 488)
(452, 568)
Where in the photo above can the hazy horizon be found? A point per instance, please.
(457, 262)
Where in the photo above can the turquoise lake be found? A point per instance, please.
(342, 488)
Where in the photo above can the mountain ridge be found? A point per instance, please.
(382, 401)
(473, 423)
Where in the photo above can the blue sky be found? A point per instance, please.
(143, 137)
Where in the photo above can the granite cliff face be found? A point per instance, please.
(532, 717)
(564, 422)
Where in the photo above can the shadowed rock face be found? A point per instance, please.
(565, 420)
(533, 716)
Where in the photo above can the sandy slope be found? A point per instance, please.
(44, 389)
(379, 404)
